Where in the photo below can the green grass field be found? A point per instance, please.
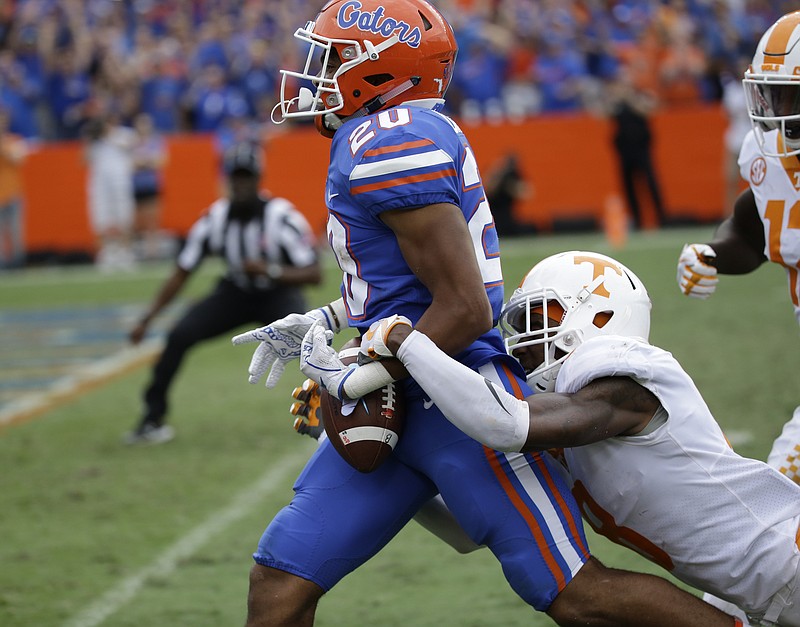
(94, 533)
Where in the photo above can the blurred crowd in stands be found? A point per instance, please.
(211, 65)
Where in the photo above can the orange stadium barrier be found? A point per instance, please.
(568, 161)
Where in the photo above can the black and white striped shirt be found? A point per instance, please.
(280, 234)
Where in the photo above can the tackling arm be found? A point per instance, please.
(604, 408)
(486, 412)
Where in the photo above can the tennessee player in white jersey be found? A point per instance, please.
(650, 467)
(765, 224)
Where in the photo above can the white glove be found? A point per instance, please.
(373, 343)
(281, 340)
(697, 278)
(280, 344)
(320, 362)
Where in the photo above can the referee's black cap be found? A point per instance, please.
(244, 157)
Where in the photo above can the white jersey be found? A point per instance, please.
(775, 182)
(680, 495)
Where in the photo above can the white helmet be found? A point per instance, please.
(772, 86)
(579, 295)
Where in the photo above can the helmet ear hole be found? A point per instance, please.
(426, 23)
(378, 79)
(601, 319)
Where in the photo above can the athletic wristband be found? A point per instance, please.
(334, 315)
(365, 379)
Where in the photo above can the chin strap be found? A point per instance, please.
(333, 121)
(377, 103)
(587, 291)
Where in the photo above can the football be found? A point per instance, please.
(366, 431)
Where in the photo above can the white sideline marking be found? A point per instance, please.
(166, 563)
(82, 380)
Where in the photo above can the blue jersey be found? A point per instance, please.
(402, 158)
(516, 504)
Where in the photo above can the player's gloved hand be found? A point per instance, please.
(320, 362)
(373, 342)
(697, 278)
(281, 340)
(307, 409)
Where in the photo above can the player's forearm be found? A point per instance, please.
(478, 407)
(739, 241)
(300, 275)
(735, 254)
(167, 293)
(285, 274)
(453, 326)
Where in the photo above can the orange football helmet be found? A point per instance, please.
(772, 86)
(367, 55)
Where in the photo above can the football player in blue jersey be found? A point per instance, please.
(413, 234)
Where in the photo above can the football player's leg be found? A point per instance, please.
(607, 597)
(728, 608)
(219, 312)
(521, 510)
(338, 519)
(436, 518)
(785, 453)
(279, 598)
(517, 505)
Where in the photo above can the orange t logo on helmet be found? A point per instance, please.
(600, 266)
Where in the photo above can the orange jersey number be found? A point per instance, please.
(603, 523)
(774, 213)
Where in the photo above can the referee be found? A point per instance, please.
(269, 251)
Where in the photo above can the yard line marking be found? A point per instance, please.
(84, 379)
(241, 505)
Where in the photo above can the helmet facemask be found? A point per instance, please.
(534, 320)
(553, 321)
(326, 61)
(774, 103)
